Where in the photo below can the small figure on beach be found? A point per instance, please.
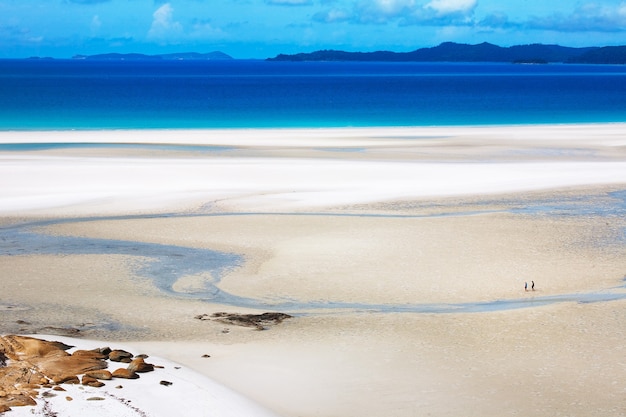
(532, 286)
(526, 286)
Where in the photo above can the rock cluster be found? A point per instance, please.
(28, 364)
(256, 321)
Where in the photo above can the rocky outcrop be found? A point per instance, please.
(28, 364)
(55, 366)
(120, 356)
(124, 373)
(101, 374)
(92, 382)
(94, 354)
(256, 321)
(21, 347)
(140, 366)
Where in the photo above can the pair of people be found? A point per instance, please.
(532, 286)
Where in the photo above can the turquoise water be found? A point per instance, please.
(73, 94)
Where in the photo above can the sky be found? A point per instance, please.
(258, 29)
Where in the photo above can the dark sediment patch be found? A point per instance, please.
(256, 321)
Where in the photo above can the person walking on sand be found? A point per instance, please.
(526, 286)
(532, 286)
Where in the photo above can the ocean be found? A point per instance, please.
(82, 94)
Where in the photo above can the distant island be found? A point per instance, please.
(183, 56)
(445, 52)
(484, 52)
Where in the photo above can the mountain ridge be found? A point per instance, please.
(483, 52)
(180, 56)
(536, 53)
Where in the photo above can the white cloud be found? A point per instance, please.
(393, 6)
(205, 30)
(289, 2)
(163, 23)
(445, 7)
(405, 12)
(96, 23)
(380, 11)
(589, 17)
(35, 39)
(332, 16)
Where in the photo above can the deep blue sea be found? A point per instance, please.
(75, 94)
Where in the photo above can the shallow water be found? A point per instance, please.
(169, 263)
(22, 147)
(614, 205)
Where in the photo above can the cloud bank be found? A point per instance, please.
(399, 11)
(586, 17)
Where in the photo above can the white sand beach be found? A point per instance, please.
(292, 169)
(401, 254)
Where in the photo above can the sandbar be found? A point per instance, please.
(401, 253)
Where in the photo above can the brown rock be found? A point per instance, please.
(104, 350)
(28, 364)
(18, 400)
(92, 382)
(139, 365)
(101, 374)
(120, 356)
(15, 384)
(86, 380)
(124, 373)
(56, 366)
(26, 386)
(23, 347)
(94, 354)
(66, 379)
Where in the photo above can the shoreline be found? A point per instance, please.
(350, 131)
(295, 169)
(434, 216)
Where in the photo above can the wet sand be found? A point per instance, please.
(401, 253)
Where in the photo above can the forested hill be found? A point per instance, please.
(484, 52)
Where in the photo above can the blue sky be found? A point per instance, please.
(265, 28)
